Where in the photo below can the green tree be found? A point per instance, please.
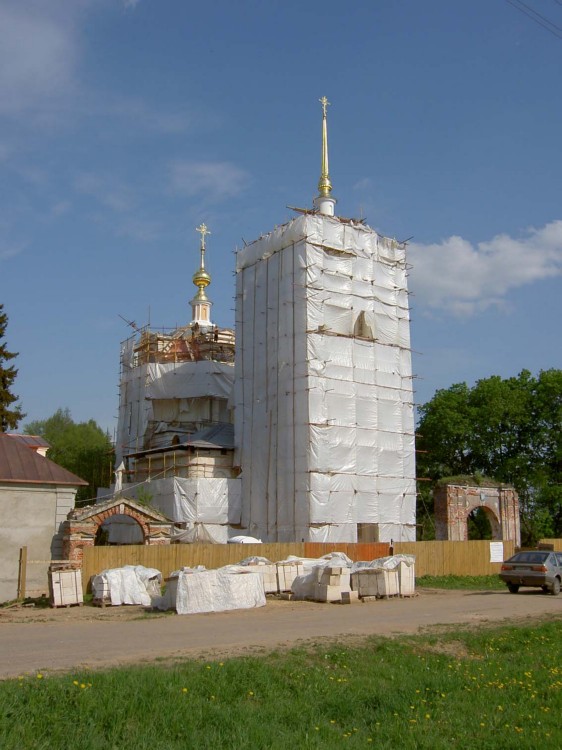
(10, 413)
(510, 430)
(83, 448)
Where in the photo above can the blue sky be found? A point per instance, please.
(126, 123)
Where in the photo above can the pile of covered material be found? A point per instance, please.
(327, 579)
(195, 591)
(384, 577)
(266, 569)
(131, 584)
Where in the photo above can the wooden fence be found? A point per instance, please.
(556, 543)
(453, 558)
(432, 558)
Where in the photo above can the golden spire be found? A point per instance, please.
(324, 184)
(201, 278)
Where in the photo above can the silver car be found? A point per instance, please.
(539, 568)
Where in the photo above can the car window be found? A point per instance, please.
(530, 557)
(559, 558)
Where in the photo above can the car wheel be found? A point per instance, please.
(555, 587)
(514, 587)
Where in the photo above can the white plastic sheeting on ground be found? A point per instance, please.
(323, 385)
(131, 584)
(231, 587)
(241, 539)
(172, 383)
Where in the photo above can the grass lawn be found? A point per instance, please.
(461, 582)
(486, 688)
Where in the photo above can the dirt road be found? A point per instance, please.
(87, 637)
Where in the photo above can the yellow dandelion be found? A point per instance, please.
(39, 676)
(184, 690)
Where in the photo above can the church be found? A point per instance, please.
(298, 425)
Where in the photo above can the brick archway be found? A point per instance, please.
(490, 515)
(82, 524)
(454, 503)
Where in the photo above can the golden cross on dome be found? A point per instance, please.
(203, 230)
(325, 104)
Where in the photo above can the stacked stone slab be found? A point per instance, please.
(286, 574)
(331, 583)
(407, 579)
(376, 582)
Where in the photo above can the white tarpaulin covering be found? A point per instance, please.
(132, 584)
(212, 501)
(324, 417)
(208, 507)
(173, 383)
(232, 587)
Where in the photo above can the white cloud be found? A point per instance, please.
(41, 46)
(60, 208)
(107, 190)
(464, 279)
(38, 54)
(5, 151)
(10, 250)
(139, 229)
(365, 184)
(214, 181)
(137, 111)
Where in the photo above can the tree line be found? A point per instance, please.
(509, 430)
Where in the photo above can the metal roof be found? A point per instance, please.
(217, 437)
(21, 464)
(32, 441)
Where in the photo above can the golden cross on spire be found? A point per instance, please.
(203, 230)
(325, 104)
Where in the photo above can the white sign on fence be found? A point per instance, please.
(496, 552)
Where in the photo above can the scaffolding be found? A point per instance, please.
(173, 382)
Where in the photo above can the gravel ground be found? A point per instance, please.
(66, 639)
